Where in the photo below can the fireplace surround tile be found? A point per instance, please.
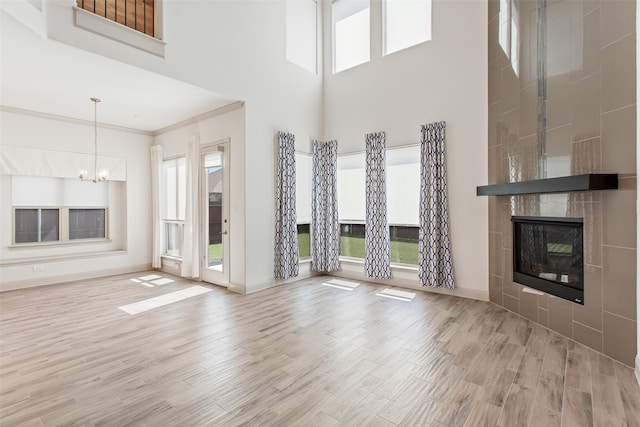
(618, 130)
(618, 73)
(560, 316)
(585, 45)
(495, 289)
(510, 303)
(496, 254)
(528, 305)
(619, 209)
(618, 20)
(585, 98)
(619, 338)
(587, 336)
(543, 317)
(590, 314)
(543, 301)
(619, 281)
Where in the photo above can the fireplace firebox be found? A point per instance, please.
(548, 255)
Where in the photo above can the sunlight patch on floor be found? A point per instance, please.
(162, 300)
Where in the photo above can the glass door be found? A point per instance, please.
(214, 201)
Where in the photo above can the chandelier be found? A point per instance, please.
(101, 174)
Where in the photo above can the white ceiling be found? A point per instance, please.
(45, 76)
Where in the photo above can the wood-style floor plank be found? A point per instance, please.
(300, 354)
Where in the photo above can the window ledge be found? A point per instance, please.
(173, 257)
(396, 267)
(35, 245)
(118, 32)
(305, 260)
(70, 257)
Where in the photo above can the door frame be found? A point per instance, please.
(206, 274)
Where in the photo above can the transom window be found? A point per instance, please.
(406, 23)
(351, 40)
(301, 33)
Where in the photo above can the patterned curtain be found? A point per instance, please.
(377, 262)
(325, 228)
(286, 257)
(434, 261)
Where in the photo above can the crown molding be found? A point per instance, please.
(32, 113)
(195, 119)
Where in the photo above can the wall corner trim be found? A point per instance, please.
(638, 368)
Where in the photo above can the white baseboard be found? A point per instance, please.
(236, 287)
(53, 280)
(305, 273)
(414, 285)
(638, 368)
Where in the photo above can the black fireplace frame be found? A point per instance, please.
(548, 286)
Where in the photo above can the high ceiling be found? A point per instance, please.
(45, 76)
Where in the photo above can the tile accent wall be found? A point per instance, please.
(590, 128)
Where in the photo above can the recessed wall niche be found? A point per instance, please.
(562, 82)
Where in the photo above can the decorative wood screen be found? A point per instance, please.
(136, 14)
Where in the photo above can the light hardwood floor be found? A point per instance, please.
(299, 354)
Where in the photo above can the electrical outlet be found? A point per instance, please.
(38, 267)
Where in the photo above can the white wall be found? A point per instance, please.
(237, 49)
(130, 248)
(444, 79)
(226, 126)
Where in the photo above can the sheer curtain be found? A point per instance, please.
(435, 268)
(325, 228)
(377, 262)
(286, 256)
(191, 238)
(156, 205)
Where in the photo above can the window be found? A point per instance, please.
(87, 224)
(174, 204)
(58, 210)
(301, 33)
(351, 204)
(303, 203)
(351, 44)
(508, 32)
(406, 23)
(37, 225)
(403, 199)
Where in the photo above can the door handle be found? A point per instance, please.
(224, 232)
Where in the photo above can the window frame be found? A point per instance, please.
(350, 221)
(63, 226)
(166, 219)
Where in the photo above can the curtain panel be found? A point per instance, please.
(377, 261)
(286, 256)
(435, 268)
(156, 205)
(325, 228)
(191, 238)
